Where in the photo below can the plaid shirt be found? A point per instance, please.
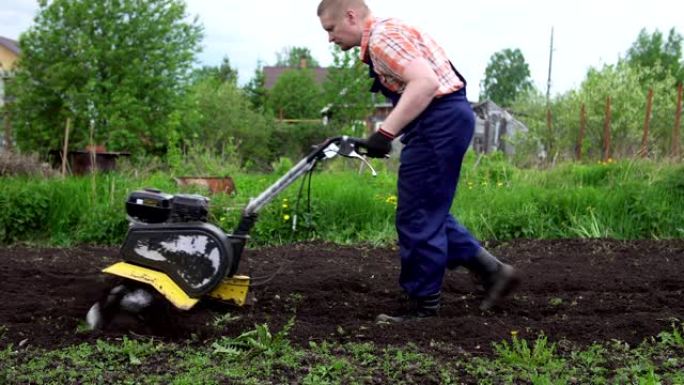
(391, 45)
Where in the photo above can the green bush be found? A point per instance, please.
(24, 209)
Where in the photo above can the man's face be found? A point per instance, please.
(345, 30)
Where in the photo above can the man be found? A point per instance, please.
(433, 116)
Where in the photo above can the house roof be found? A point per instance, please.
(10, 44)
(271, 75)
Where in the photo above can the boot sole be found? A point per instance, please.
(504, 286)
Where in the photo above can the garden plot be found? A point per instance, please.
(575, 290)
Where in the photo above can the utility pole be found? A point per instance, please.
(548, 83)
(549, 118)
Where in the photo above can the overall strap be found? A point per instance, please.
(460, 77)
(377, 86)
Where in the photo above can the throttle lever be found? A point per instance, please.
(347, 147)
(354, 154)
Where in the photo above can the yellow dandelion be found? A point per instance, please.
(286, 217)
(500, 184)
(285, 205)
(514, 333)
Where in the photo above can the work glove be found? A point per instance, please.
(379, 144)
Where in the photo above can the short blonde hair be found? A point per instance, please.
(336, 7)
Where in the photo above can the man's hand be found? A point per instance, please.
(379, 144)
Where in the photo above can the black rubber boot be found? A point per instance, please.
(497, 279)
(421, 307)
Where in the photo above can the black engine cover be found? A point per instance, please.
(194, 255)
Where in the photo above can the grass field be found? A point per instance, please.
(617, 200)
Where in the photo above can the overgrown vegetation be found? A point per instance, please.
(14, 164)
(497, 201)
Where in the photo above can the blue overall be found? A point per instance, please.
(430, 239)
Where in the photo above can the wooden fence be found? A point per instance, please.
(675, 150)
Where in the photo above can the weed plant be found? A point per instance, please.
(259, 356)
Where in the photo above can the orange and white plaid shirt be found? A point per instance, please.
(391, 45)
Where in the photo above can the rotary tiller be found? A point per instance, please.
(171, 248)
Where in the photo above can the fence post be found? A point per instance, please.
(647, 120)
(676, 139)
(7, 118)
(606, 130)
(580, 137)
(65, 148)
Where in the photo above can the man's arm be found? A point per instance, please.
(421, 86)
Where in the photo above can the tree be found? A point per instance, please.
(255, 89)
(220, 119)
(293, 57)
(115, 68)
(652, 51)
(507, 75)
(223, 73)
(296, 95)
(346, 90)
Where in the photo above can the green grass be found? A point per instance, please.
(262, 357)
(496, 201)
(623, 200)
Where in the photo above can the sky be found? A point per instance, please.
(587, 33)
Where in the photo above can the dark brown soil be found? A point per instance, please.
(576, 290)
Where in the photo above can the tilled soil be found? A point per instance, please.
(579, 291)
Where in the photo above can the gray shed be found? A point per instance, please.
(493, 125)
